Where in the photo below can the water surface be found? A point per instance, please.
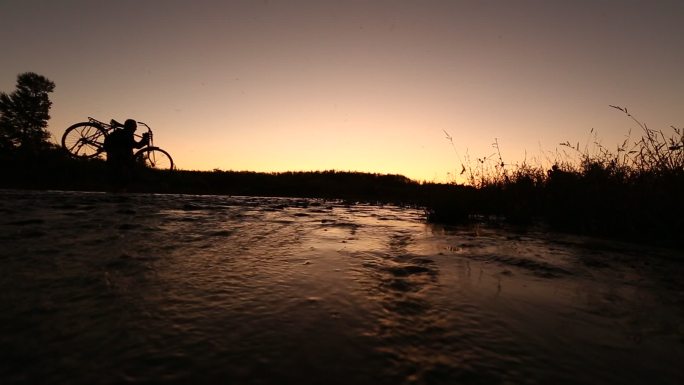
(125, 288)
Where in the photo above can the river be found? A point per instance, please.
(101, 288)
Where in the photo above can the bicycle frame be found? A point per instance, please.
(109, 127)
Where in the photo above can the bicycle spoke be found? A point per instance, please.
(83, 140)
(90, 136)
(78, 143)
(155, 158)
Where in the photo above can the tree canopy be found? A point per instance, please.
(25, 112)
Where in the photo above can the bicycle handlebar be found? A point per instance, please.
(149, 134)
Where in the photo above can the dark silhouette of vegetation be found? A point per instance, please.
(25, 112)
(633, 192)
(55, 169)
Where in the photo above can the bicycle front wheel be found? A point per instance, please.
(84, 140)
(154, 157)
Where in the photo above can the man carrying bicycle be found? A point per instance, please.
(119, 145)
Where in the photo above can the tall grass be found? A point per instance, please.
(635, 190)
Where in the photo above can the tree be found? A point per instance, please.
(24, 113)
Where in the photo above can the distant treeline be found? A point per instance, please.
(53, 168)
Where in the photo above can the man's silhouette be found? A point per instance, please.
(119, 145)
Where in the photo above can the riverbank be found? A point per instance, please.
(596, 199)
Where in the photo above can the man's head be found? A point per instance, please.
(130, 124)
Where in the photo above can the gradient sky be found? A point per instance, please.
(353, 85)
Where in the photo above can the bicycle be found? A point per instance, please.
(86, 140)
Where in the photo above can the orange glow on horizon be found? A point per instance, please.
(360, 86)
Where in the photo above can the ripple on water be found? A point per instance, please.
(172, 288)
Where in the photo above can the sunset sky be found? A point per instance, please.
(353, 85)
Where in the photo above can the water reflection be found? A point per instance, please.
(163, 288)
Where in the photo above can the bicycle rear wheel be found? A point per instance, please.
(154, 157)
(84, 140)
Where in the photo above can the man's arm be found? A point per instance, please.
(143, 142)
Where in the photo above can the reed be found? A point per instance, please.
(634, 191)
